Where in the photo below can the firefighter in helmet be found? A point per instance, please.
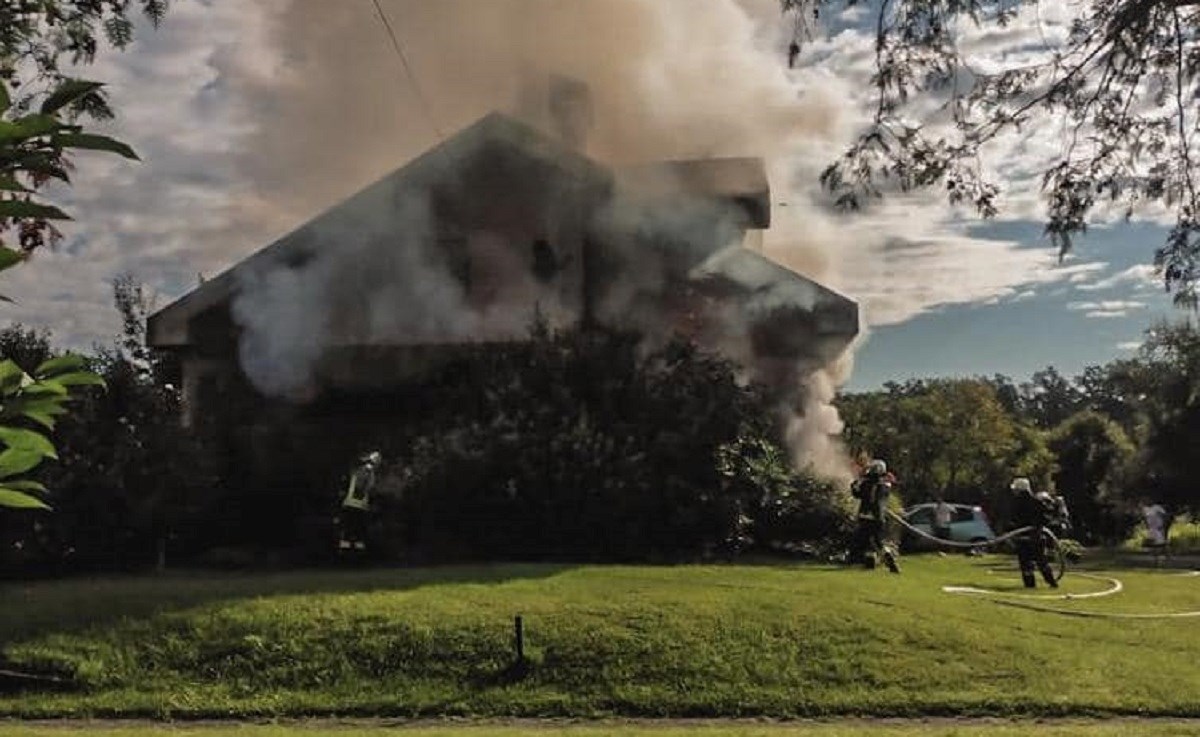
(1030, 511)
(356, 504)
(873, 490)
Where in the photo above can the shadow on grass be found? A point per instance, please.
(75, 604)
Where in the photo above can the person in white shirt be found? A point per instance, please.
(1156, 527)
(1158, 524)
(943, 513)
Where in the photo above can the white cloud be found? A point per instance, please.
(1131, 345)
(1138, 277)
(1112, 305)
(170, 215)
(1107, 308)
(899, 266)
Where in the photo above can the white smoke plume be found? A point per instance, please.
(669, 79)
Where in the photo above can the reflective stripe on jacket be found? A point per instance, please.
(358, 495)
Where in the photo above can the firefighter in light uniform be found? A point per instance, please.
(873, 489)
(1030, 511)
(356, 504)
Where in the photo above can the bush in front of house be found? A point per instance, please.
(795, 512)
(579, 446)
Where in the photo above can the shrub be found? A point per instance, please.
(579, 447)
(1184, 537)
(787, 510)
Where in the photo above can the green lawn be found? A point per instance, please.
(1006, 729)
(633, 641)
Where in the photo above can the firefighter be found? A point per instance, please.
(356, 504)
(1030, 511)
(873, 489)
(1058, 516)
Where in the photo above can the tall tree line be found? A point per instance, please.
(1106, 439)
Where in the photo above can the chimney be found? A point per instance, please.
(570, 103)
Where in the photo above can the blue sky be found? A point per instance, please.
(1016, 337)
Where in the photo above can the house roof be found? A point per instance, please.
(742, 181)
(766, 286)
(169, 327)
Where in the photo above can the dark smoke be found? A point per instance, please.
(668, 79)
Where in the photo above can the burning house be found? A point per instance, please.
(464, 245)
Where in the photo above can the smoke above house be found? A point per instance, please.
(666, 80)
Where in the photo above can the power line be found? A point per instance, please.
(408, 70)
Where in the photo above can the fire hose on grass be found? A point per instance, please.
(1006, 598)
(1053, 541)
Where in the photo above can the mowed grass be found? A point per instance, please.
(1011, 729)
(688, 641)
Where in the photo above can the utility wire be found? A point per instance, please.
(387, 26)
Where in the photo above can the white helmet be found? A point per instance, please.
(877, 466)
(1021, 484)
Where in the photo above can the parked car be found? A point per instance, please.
(968, 524)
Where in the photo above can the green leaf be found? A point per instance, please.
(64, 364)
(14, 499)
(22, 209)
(11, 377)
(5, 100)
(67, 93)
(9, 183)
(45, 388)
(27, 486)
(42, 165)
(18, 439)
(79, 378)
(14, 462)
(93, 142)
(30, 126)
(9, 257)
(45, 419)
(41, 410)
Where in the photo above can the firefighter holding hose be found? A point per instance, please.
(873, 489)
(1030, 511)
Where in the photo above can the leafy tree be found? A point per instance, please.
(945, 437)
(1124, 80)
(129, 475)
(1049, 398)
(32, 150)
(1093, 455)
(35, 35)
(38, 105)
(1008, 394)
(1119, 390)
(35, 148)
(28, 401)
(1169, 463)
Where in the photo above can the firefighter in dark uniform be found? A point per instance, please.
(873, 489)
(1030, 511)
(356, 504)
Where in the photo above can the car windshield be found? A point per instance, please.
(921, 516)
